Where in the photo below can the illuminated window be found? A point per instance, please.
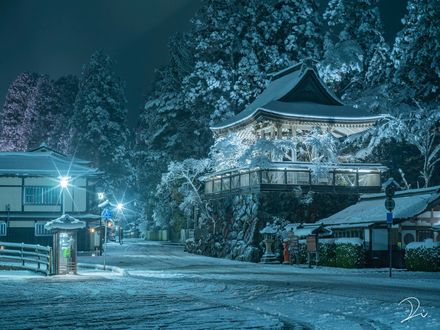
(36, 195)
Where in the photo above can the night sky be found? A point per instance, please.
(57, 37)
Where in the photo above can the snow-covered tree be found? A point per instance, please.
(98, 127)
(27, 108)
(348, 58)
(421, 129)
(297, 24)
(65, 91)
(182, 178)
(416, 53)
(418, 127)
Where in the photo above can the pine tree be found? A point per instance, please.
(348, 58)
(298, 26)
(65, 91)
(416, 53)
(27, 100)
(98, 127)
(216, 70)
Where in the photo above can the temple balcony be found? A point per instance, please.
(286, 176)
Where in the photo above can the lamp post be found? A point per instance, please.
(64, 183)
(119, 208)
(101, 196)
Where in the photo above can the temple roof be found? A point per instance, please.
(38, 163)
(298, 93)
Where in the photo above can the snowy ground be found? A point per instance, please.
(163, 287)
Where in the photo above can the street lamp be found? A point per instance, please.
(119, 206)
(64, 184)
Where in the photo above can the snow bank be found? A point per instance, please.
(427, 244)
(349, 240)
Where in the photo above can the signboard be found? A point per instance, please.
(293, 242)
(311, 243)
(390, 204)
(389, 218)
(106, 214)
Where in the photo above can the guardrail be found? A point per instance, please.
(26, 256)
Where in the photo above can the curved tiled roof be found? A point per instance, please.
(298, 92)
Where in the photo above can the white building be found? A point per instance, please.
(31, 195)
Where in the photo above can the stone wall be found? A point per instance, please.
(234, 231)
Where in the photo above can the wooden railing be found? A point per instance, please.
(25, 256)
(344, 178)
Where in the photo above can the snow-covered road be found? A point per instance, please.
(163, 287)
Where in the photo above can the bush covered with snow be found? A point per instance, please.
(349, 255)
(327, 254)
(423, 259)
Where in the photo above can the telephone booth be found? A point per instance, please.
(64, 230)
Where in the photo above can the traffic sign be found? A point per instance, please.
(106, 214)
(389, 218)
(390, 204)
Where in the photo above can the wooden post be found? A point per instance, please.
(21, 254)
(38, 256)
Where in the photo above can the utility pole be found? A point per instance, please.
(390, 188)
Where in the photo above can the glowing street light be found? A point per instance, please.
(64, 183)
(119, 206)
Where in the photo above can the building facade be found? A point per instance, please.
(40, 185)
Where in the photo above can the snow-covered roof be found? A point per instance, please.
(353, 225)
(371, 209)
(304, 230)
(43, 163)
(44, 148)
(41, 216)
(65, 222)
(298, 92)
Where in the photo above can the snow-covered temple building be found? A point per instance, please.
(40, 185)
(295, 102)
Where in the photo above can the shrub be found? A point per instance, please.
(350, 255)
(327, 254)
(423, 259)
(302, 253)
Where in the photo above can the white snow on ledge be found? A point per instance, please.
(427, 244)
(349, 240)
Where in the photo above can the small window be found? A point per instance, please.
(3, 228)
(40, 230)
(424, 234)
(408, 238)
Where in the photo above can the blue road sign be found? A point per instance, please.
(106, 214)
(390, 218)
